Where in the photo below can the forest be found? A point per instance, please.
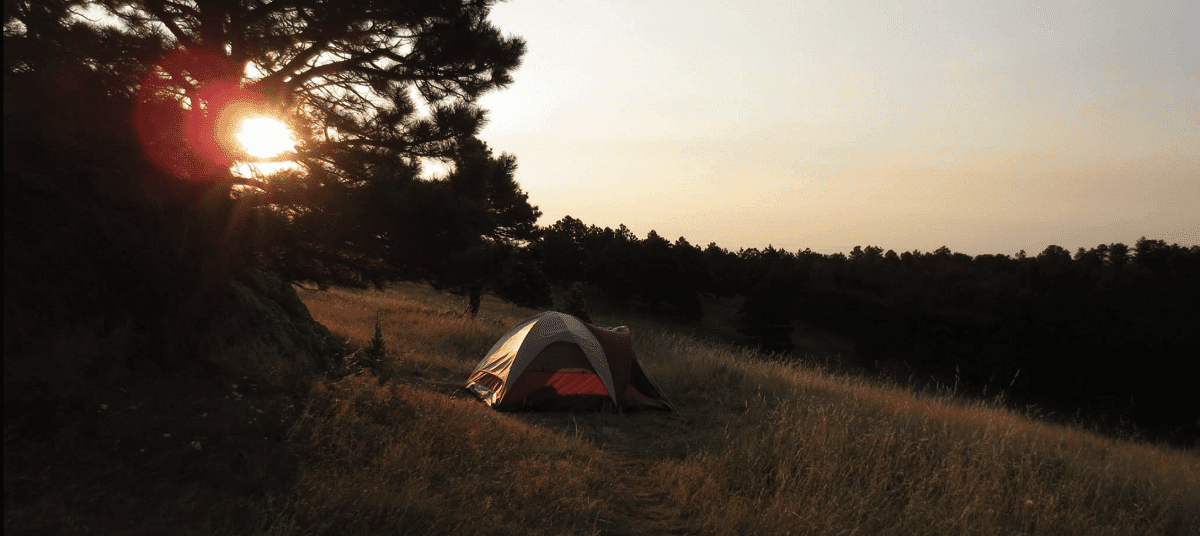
(1101, 335)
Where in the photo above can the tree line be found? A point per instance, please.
(1109, 331)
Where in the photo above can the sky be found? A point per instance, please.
(986, 127)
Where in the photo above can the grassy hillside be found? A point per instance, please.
(756, 447)
(395, 446)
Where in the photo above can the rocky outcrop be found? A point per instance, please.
(263, 331)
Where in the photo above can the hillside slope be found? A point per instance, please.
(756, 447)
(395, 446)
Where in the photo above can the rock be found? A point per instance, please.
(263, 331)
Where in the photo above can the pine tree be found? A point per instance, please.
(371, 90)
(575, 303)
(478, 226)
(151, 91)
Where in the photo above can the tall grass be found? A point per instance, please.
(426, 331)
(756, 447)
(414, 455)
(822, 454)
(391, 458)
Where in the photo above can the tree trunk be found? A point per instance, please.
(474, 296)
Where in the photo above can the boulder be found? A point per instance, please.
(264, 332)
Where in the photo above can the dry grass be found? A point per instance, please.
(820, 454)
(395, 446)
(427, 331)
(415, 455)
(395, 459)
(757, 447)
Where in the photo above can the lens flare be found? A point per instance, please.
(264, 137)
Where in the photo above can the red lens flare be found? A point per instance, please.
(194, 136)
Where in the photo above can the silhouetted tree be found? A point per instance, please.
(727, 270)
(693, 276)
(612, 264)
(489, 217)
(694, 270)
(522, 281)
(371, 90)
(564, 246)
(870, 256)
(656, 266)
(349, 76)
(1118, 255)
(891, 259)
(767, 313)
(575, 303)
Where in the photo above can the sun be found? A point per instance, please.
(264, 137)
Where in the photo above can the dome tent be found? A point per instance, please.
(553, 360)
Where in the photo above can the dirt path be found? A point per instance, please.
(642, 501)
(632, 447)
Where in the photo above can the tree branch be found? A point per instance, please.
(155, 7)
(264, 9)
(276, 79)
(347, 64)
(183, 9)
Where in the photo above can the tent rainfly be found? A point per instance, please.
(555, 361)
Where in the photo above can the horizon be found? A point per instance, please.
(986, 129)
(1131, 244)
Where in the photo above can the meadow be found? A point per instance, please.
(756, 446)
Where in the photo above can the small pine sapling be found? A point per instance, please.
(376, 349)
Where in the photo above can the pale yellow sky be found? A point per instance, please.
(985, 127)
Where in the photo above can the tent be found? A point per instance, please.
(555, 361)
